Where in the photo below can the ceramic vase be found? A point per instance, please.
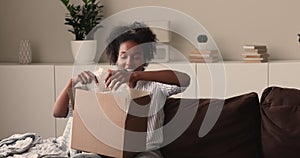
(25, 54)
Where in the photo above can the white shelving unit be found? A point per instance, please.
(29, 91)
(284, 73)
(27, 98)
(223, 80)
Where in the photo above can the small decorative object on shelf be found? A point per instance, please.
(202, 41)
(25, 54)
(255, 53)
(299, 37)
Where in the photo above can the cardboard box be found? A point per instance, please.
(111, 124)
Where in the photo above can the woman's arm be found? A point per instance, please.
(115, 78)
(61, 106)
(163, 76)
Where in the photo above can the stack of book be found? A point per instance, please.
(204, 56)
(255, 53)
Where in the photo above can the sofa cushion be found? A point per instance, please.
(280, 110)
(235, 134)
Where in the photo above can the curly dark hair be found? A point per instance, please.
(136, 32)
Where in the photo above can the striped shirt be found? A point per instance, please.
(156, 116)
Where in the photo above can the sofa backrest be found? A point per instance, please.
(280, 132)
(235, 134)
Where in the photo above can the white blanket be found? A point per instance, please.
(30, 145)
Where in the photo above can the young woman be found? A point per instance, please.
(131, 48)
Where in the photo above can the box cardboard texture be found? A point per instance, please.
(110, 124)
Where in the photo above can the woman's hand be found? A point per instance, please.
(115, 79)
(84, 77)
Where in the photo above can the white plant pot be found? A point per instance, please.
(84, 51)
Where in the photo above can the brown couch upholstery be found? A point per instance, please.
(245, 128)
(280, 132)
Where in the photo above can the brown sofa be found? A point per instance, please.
(246, 128)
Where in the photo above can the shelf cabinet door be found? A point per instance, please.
(188, 68)
(239, 78)
(27, 99)
(284, 74)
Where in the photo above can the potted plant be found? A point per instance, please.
(84, 20)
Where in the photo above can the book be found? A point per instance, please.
(255, 46)
(204, 52)
(256, 50)
(204, 60)
(202, 55)
(255, 55)
(255, 60)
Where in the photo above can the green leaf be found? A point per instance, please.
(65, 2)
(83, 18)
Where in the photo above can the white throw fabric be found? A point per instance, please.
(30, 145)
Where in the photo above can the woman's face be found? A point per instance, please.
(130, 57)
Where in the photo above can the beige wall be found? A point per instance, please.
(232, 23)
